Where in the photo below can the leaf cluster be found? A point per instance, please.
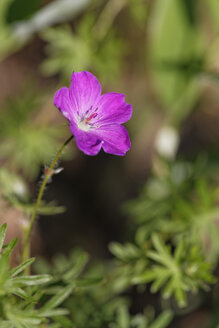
(181, 203)
(177, 71)
(23, 134)
(97, 305)
(176, 241)
(82, 50)
(177, 273)
(34, 300)
(19, 293)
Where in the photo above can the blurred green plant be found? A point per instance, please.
(96, 305)
(82, 50)
(139, 11)
(19, 293)
(181, 55)
(7, 42)
(14, 189)
(23, 304)
(176, 56)
(179, 203)
(176, 243)
(21, 9)
(178, 273)
(23, 137)
(183, 202)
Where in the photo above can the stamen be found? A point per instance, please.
(87, 111)
(90, 117)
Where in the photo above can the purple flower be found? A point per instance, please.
(95, 119)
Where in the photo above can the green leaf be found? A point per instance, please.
(44, 208)
(88, 282)
(124, 252)
(9, 248)
(63, 321)
(33, 280)
(57, 299)
(77, 268)
(123, 317)
(2, 235)
(175, 273)
(53, 313)
(144, 278)
(175, 69)
(163, 320)
(22, 266)
(66, 51)
(20, 293)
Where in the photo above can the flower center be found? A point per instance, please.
(85, 122)
(82, 125)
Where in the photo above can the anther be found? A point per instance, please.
(90, 117)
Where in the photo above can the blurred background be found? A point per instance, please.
(164, 56)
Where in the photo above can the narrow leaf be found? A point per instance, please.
(88, 282)
(9, 248)
(163, 320)
(57, 299)
(21, 267)
(32, 280)
(20, 292)
(54, 313)
(77, 268)
(2, 234)
(144, 278)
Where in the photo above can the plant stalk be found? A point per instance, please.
(48, 173)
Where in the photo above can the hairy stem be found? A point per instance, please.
(27, 233)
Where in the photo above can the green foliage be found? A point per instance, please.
(21, 9)
(213, 7)
(175, 273)
(182, 202)
(23, 137)
(176, 68)
(18, 293)
(124, 320)
(178, 273)
(175, 231)
(7, 42)
(96, 305)
(139, 12)
(158, 201)
(67, 52)
(14, 189)
(181, 206)
(34, 300)
(132, 262)
(81, 50)
(12, 185)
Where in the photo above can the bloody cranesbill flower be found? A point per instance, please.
(95, 119)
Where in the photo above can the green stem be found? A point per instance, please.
(107, 16)
(26, 242)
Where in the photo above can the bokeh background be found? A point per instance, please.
(164, 56)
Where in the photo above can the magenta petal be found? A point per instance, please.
(95, 120)
(87, 142)
(115, 139)
(113, 108)
(85, 91)
(63, 103)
